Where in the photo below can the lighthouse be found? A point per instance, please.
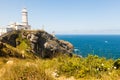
(17, 26)
(24, 16)
(25, 24)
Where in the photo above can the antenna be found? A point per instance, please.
(43, 27)
(53, 33)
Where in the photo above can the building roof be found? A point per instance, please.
(24, 10)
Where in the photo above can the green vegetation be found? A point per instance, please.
(23, 43)
(19, 52)
(90, 67)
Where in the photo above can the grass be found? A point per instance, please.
(19, 52)
(90, 67)
(23, 70)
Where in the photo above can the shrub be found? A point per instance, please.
(92, 66)
(117, 63)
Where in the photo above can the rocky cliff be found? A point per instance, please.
(36, 42)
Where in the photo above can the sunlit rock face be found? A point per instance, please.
(37, 42)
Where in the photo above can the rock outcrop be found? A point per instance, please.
(9, 51)
(37, 42)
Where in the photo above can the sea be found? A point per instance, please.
(107, 46)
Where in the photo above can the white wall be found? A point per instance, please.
(3, 30)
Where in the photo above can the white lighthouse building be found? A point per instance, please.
(25, 19)
(17, 26)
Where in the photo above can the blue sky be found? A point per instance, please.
(65, 16)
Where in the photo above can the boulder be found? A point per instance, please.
(66, 45)
(9, 38)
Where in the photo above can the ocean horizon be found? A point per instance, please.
(107, 46)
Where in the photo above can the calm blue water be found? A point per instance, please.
(102, 45)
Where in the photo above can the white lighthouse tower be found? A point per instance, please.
(24, 16)
(25, 19)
